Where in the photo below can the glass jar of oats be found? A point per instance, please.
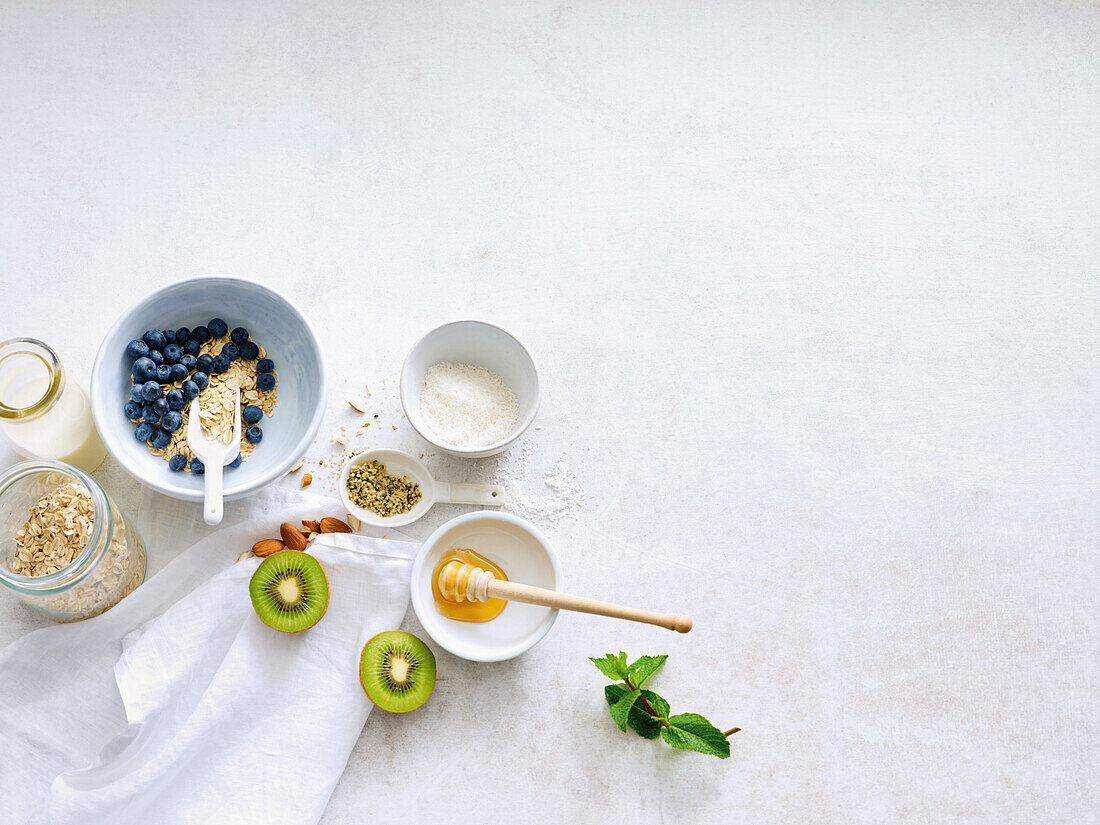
(65, 547)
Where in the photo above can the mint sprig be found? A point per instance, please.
(647, 714)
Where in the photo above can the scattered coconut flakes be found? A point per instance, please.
(563, 505)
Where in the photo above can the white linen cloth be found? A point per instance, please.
(179, 705)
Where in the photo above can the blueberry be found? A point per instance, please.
(156, 356)
(164, 374)
(169, 336)
(205, 363)
(222, 362)
(188, 361)
(190, 389)
(172, 421)
(232, 350)
(200, 334)
(137, 349)
(175, 399)
(161, 439)
(252, 414)
(177, 463)
(249, 351)
(265, 365)
(197, 467)
(191, 347)
(217, 327)
(135, 393)
(143, 370)
(133, 410)
(254, 434)
(154, 338)
(173, 353)
(160, 406)
(150, 391)
(239, 335)
(236, 462)
(183, 335)
(179, 373)
(143, 432)
(265, 382)
(149, 413)
(201, 380)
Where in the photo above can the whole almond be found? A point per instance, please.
(333, 525)
(292, 536)
(311, 525)
(265, 548)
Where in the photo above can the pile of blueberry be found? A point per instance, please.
(168, 372)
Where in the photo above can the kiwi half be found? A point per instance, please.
(397, 671)
(289, 591)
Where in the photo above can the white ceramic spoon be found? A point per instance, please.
(402, 464)
(214, 455)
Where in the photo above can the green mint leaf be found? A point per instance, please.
(620, 708)
(645, 667)
(613, 693)
(640, 720)
(690, 731)
(613, 667)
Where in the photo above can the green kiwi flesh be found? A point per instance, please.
(289, 591)
(397, 671)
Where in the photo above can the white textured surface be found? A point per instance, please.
(813, 291)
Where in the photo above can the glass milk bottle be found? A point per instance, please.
(42, 413)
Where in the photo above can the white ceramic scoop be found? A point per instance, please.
(401, 465)
(214, 455)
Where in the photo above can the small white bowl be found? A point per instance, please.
(481, 345)
(403, 465)
(522, 552)
(274, 322)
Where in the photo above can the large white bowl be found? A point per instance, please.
(274, 322)
(525, 556)
(481, 345)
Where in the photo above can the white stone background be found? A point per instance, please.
(813, 291)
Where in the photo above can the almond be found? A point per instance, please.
(358, 404)
(307, 479)
(354, 522)
(292, 536)
(333, 525)
(298, 466)
(265, 548)
(311, 525)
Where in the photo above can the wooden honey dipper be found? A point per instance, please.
(460, 582)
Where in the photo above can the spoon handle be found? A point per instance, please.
(212, 497)
(491, 494)
(527, 594)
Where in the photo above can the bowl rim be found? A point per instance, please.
(421, 609)
(472, 452)
(280, 469)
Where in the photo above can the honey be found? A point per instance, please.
(466, 611)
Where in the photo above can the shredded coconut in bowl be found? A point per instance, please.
(467, 406)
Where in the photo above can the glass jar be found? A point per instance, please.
(42, 414)
(65, 548)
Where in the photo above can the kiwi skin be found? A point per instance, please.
(257, 585)
(376, 649)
